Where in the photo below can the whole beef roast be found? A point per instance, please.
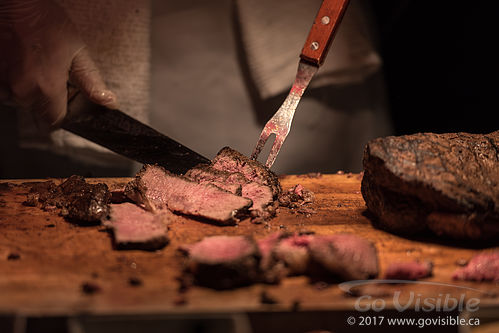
(447, 183)
(136, 228)
(157, 189)
(223, 262)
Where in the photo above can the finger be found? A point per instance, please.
(51, 104)
(86, 76)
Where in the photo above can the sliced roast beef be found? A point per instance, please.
(205, 174)
(261, 195)
(410, 270)
(264, 205)
(136, 228)
(445, 183)
(340, 256)
(343, 256)
(272, 270)
(157, 189)
(223, 262)
(232, 161)
(294, 253)
(482, 267)
(78, 200)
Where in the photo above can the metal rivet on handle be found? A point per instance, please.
(325, 20)
(314, 46)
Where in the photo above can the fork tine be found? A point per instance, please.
(260, 144)
(276, 147)
(280, 122)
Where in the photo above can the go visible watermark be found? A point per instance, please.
(442, 305)
(402, 301)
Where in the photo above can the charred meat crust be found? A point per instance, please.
(157, 189)
(231, 160)
(445, 183)
(78, 200)
(205, 174)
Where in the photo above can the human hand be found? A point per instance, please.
(41, 51)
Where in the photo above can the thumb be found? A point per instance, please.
(86, 76)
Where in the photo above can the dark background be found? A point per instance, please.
(441, 64)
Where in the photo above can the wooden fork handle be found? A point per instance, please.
(322, 33)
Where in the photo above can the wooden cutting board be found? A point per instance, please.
(45, 261)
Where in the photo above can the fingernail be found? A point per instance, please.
(108, 98)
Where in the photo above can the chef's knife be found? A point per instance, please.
(127, 136)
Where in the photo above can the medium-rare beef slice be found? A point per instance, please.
(447, 183)
(223, 262)
(409, 270)
(78, 200)
(272, 269)
(157, 189)
(293, 252)
(136, 228)
(205, 174)
(264, 205)
(235, 182)
(342, 256)
(482, 267)
(232, 161)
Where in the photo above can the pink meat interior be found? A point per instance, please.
(132, 223)
(189, 197)
(221, 249)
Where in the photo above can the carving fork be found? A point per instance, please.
(311, 58)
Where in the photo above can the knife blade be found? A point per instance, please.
(127, 136)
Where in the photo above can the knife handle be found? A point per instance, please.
(322, 33)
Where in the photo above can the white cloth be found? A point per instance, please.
(273, 33)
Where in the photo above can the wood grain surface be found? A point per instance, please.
(45, 261)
